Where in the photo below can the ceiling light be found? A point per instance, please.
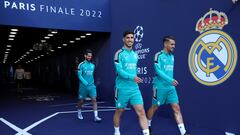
(9, 45)
(46, 37)
(27, 52)
(43, 41)
(88, 34)
(64, 44)
(6, 52)
(52, 50)
(11, 36)
(31, 50)
(8, 49)
(77, 38)
(42, 55)
(50, 35)
(59, 47)
(71, 41)
(14, 33)
(83, 36)
(54, 32)
(14, 29)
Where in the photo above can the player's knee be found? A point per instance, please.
(176, 108)
(94, 100)
(119, 110)
(154, 108)
(141, 113)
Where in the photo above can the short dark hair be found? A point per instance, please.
(87, 51)
(167, 38)
(127, 32)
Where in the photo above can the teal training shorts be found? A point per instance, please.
(85, 92)
(123, 96)
(161, 96)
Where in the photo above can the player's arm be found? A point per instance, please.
(160, 72)
(80, 75)
(94, 73)
(119, 67)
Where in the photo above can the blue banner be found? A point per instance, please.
(84, 15)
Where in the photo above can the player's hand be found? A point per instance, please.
(137, 79)
(175, 83)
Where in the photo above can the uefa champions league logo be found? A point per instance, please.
(138, 35)
(142, 53)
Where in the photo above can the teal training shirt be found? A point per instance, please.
(163, 65)
(126, 67)
(86, 73)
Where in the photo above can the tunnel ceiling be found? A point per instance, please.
(27, 45)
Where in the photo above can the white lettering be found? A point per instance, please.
(147, 50)
(6, 4)
(53, 9)
(33, 8)
(14, 5)
(21, 6)
(41, 8)
(57, 10)
(60, 10)
(72, 11)
(142, 70)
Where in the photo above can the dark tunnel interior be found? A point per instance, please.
(50, 55)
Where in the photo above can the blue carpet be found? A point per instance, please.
(25, 109)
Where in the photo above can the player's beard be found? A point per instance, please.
(130, 44)
(89, 60)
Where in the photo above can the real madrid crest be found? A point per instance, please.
(213, 55)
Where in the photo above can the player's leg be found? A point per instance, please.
(179, 119)
(117, 119)
(79, 106)
(173, 100)
(137, 102)
(150, 114)
(159, 98)
(95, 111)
(121, 100)
(142, 118)
(81, 96)
(93, 95)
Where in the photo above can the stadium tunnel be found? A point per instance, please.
(50, 55)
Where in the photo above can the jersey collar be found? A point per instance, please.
(125, 49)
